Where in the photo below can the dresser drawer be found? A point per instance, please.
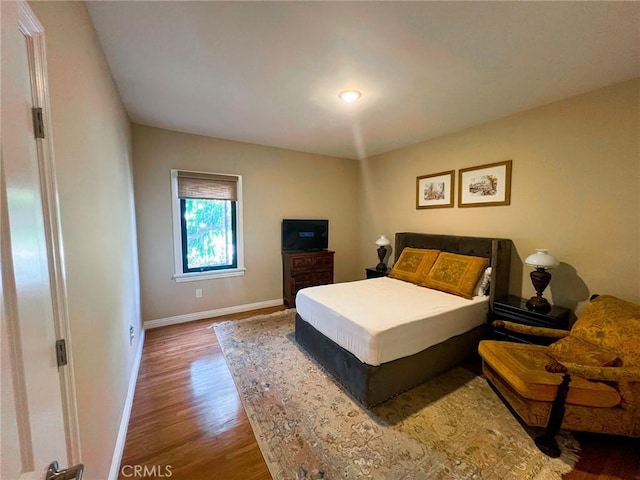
(323, 278)
(298, 263)
(324, 261)
(303, 278)
(311, 262)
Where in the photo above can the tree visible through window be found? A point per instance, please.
(208, 234)
(207, 208)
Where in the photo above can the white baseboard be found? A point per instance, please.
(190, 317)
(126, 412)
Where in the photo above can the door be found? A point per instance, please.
(37, 421)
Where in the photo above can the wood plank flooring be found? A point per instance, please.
(188, 423)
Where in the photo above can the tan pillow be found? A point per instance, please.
(457, 274)
(613, 324)
(574, 350)
(414, 264)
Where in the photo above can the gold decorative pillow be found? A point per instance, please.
(414, 264)
(457, 274)
(613, 324)
(574, 350)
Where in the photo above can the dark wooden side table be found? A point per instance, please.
(514, 309)
(373, 273)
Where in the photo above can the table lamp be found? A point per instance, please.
(382, 243)
(540, 278)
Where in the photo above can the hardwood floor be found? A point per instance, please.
(188, 422)
(187, 416)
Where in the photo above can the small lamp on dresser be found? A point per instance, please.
(540, 278)
(382, 243)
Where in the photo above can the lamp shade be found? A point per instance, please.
(541, 259)
(383, 241)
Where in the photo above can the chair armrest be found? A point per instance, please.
(602, 374)
(528, 330)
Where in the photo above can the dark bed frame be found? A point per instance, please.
(372, 385)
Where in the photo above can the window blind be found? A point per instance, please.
(207, 185)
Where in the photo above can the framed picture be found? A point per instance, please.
(435, 191)
(485, 185)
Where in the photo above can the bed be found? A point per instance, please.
(376, 369)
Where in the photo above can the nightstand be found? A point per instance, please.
(373, 273)
(514, 309)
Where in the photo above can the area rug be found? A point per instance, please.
(308, 427)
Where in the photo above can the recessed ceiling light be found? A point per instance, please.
(349, 96)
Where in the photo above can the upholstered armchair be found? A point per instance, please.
(588, 380)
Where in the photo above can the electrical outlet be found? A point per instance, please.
(198, 293)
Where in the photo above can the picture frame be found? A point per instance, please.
(485, 185)
(435, 190)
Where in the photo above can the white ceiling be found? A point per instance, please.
(269, 72)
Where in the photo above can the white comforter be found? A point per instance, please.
(383, 319)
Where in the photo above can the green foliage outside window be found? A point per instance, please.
(208, 233)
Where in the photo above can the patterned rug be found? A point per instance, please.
(308, 427)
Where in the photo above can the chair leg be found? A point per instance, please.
(547, 442)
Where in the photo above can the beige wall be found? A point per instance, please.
(92, 138)
(277, 184)
(575, 190)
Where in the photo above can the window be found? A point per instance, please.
(207, 225)
(208, 234)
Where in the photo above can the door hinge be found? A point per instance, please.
(38, 122)
(61, 352)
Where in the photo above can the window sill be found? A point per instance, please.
(196, 276)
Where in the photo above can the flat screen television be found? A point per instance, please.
(304, 235)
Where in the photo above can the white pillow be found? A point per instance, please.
(482, 287)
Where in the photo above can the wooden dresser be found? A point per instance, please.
(304, 269)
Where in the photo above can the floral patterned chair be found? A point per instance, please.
(588, 380)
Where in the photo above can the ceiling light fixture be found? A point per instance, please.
(349, 96)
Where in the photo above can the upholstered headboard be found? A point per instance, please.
(497, 250)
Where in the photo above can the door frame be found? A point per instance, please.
(34, 32)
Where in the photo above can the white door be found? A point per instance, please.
(36, 411)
